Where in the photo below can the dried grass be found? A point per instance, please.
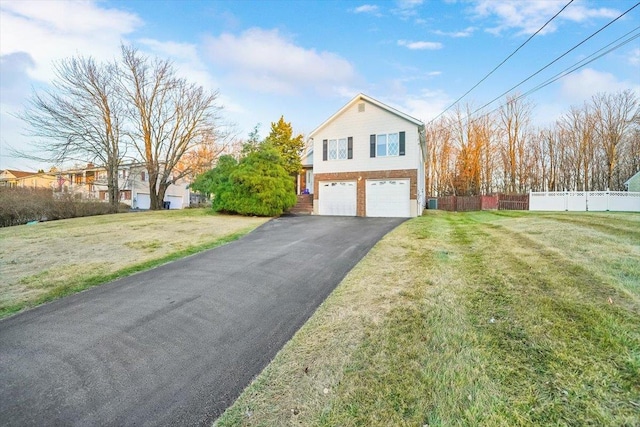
(37, 258)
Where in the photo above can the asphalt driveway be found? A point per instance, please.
(177, 344)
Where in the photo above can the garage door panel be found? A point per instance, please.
(143, 201)
(388, 198)
(337, 198)
(176, 202)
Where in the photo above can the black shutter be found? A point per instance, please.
(402, 144)
(372, 146)
(324, 149)
(350, 147)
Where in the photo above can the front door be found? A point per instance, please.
(309, 181)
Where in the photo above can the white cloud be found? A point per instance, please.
(580, 86)
(266, 61)
(528, 16)
(456, 34)
(634, 57)
(185, 58)
(425, 105)
(409, 4)
(407, 8)
(368, 8)
(51, 30)
(420, 45)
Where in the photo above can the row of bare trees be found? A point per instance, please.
(134, 109)
(592, 147)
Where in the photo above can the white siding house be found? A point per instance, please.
(90, 182)
(368, 161)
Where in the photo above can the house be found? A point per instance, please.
(90, 182)
(368, 160)
(24, 179)
(633, 183)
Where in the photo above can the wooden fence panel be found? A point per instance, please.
(477, 203)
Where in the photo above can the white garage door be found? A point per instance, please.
(176, 202)
(337, 198)
(388, 198)
(143, 201)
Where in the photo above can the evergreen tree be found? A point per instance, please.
(257, 185)
(289, 147)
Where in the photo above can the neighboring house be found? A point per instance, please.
(633, 183)
(24, 179)
(368, 160)
(90, 182)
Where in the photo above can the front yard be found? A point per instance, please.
(48, 260)
(468, 319)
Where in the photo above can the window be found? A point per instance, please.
(387, 144)
(381, 146)
(337, 149)
(142, 177)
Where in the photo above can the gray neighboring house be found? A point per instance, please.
(633, 183)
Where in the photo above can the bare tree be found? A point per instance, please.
(515, 116)
(79, 119)
(578, 137)
(170, 117)
(614, 116)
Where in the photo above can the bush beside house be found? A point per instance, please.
(22, 205)
(258, 184)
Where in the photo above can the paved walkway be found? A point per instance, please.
(177, 344)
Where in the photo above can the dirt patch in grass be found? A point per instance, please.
(494, 319)
(50, 259)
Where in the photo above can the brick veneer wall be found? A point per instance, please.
(361, 178)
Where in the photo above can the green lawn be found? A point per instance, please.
(42, 262)
(485, 318)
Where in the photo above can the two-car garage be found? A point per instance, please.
(382, 197)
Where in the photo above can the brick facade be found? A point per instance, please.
(361, 179)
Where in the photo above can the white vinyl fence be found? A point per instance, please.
(620, 201)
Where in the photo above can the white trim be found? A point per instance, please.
(363, 97)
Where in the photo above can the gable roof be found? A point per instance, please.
(363, 97)
(19, 174)
(632, 177)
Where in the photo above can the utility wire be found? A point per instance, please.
(586, 61)
(502, 63)
(575, 67)
(557, 59)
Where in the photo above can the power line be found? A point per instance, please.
(502, 63)
(557, 59)
(586, 61)
(575, 67)
(571, 69)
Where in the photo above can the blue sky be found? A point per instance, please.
(305, 59)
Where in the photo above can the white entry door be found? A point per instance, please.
(388, 198)
(309, 181)
(337, 198)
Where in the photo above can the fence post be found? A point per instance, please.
(586, 201)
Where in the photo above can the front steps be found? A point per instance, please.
(304, 205)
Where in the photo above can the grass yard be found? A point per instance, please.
(470, 319)
(42, 262)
